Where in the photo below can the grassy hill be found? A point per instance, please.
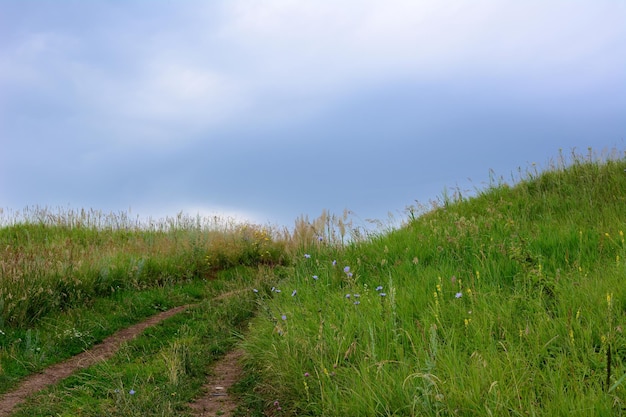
(508, 303)
(511, 302)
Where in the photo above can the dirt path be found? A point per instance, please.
(216, 400)
(99, 352)
(226, 370)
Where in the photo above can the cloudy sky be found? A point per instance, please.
(272, 109)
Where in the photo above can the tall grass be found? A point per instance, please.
(508, 303)
(54, 260)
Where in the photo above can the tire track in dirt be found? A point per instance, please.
(102, 351)
(216, 400)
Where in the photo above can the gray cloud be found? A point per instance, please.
(272, 109)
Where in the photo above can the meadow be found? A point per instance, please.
(506, 302)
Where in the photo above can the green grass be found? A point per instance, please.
(157, 373)
(502, 304)
(27, 350)
(70, 279)
(510, 302)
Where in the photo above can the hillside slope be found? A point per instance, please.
(508, 303)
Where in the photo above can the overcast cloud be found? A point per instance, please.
(270, 109)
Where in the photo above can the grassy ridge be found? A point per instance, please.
(508, 303)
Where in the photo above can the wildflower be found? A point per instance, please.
(315, 277)
(347, 295)
(346, 269)
(357, 295)
(379, 288)
(307, 256)
(356, 303)
(131, 392)
(383, 294)
(277, 290)
(276, 403)
(335, 262)
(458, 295)
(293, 294)
(306, 374)
(320, 238)
(284, 317)
(255, 290)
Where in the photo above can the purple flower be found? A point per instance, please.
(284, 317)
(379, 288)
(356, 303)
(335, 263)
(347, 295)
(131, 392)
(346, 269)
(320, 238)
(307, 256)
(315, 277)
(458, 295)
(276, 403)
(306, 374)
(293, 294)
(383, 294)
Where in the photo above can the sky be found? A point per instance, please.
(268, 110)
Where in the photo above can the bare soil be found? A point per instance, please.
(216, 400)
